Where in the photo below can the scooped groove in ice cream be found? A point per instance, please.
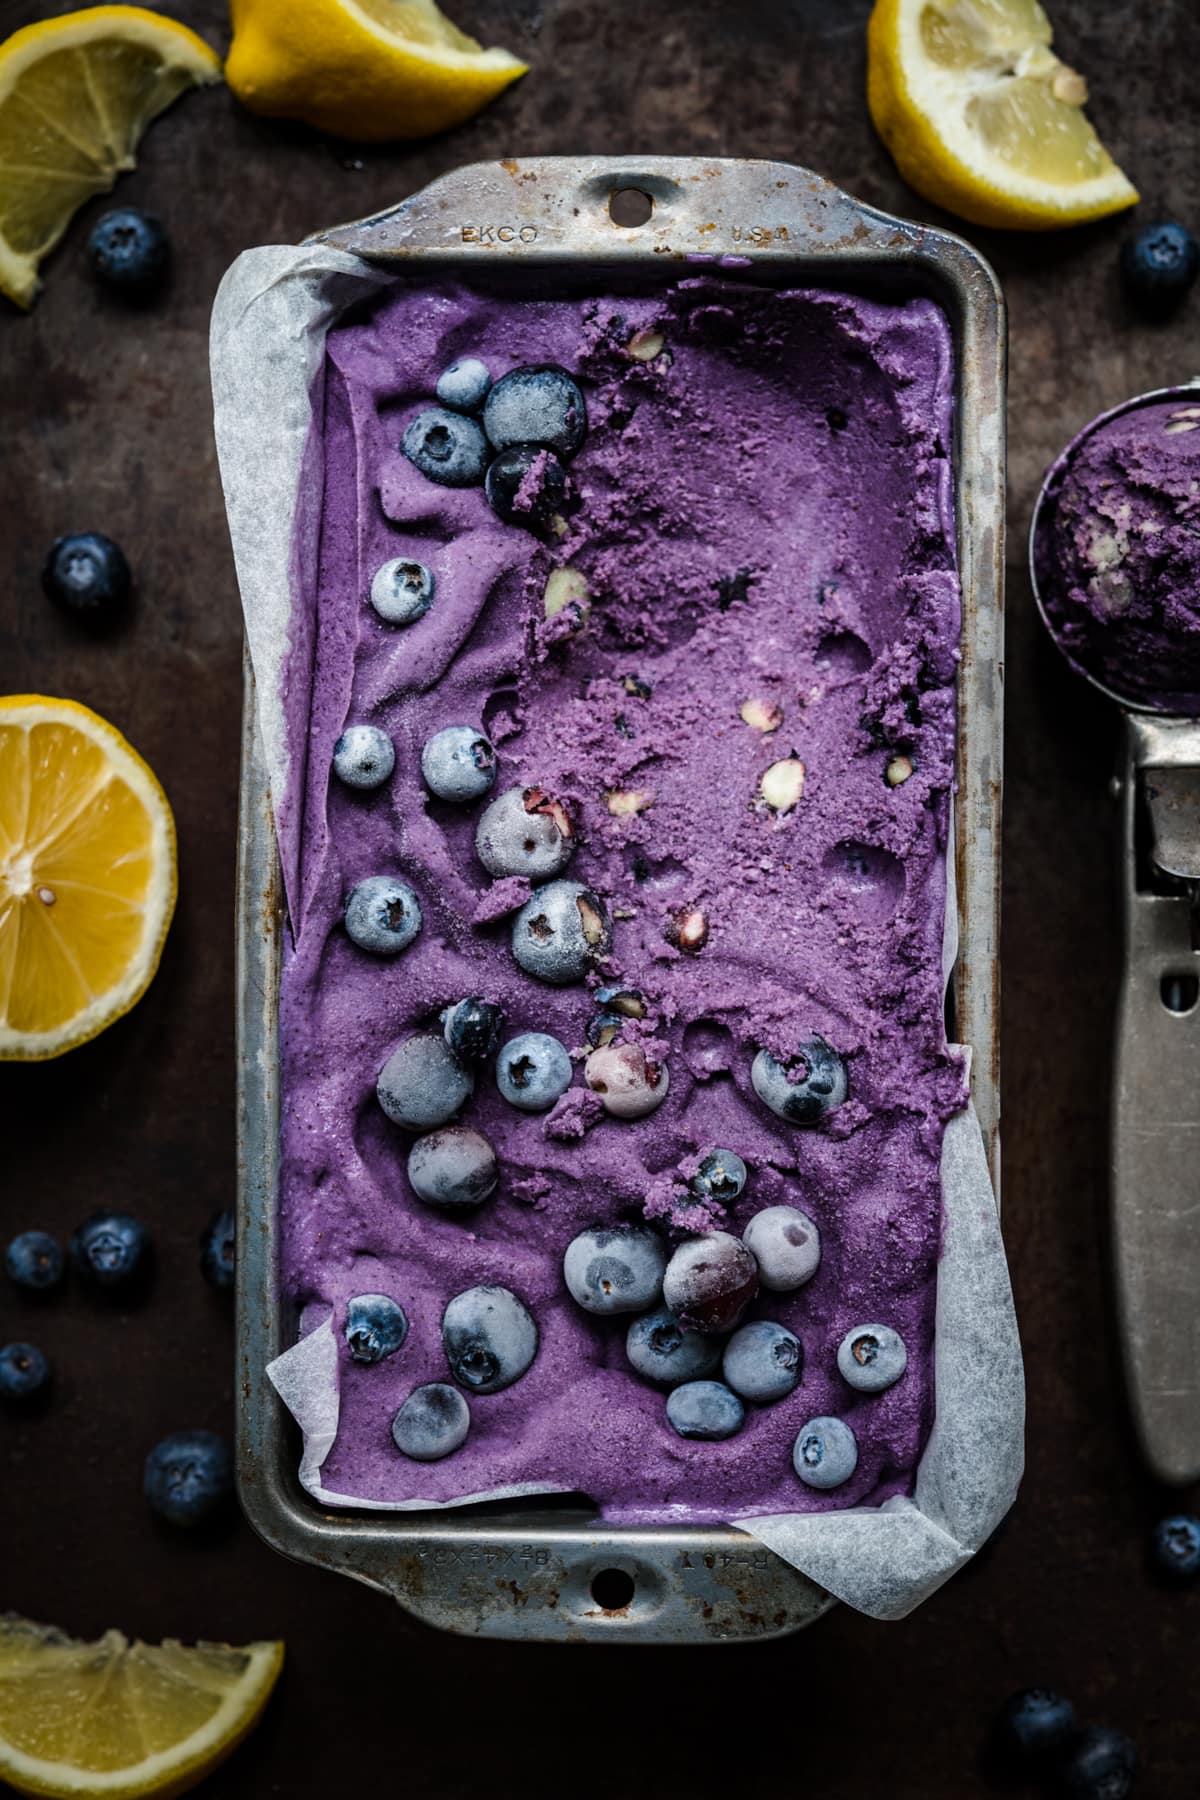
(1117, 554)
(762, 547)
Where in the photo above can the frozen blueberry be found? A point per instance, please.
(383, 915)
(455, 1169)
(1035, 1723)
(533, 1071)
(87, 574)
(710, 1281)
(24, 1372)
(705, 1409)
(660, 1349)
(527, 486)
(402, 591)
(446, 447)
(218, 1250)
(489, 1337)
(872, 1357)
(825, 1453)
(763, 1361)
(422, 1084)
(34, 1260)
(560, 932)
(464, 384)
(432, 1423)
(364, 756)
(615, 1268)
(804, 1089)
(786, 1245)
(472, 1028)
(1101, 1765)
(458, 763)
(536, 405)
(1159, 264)
(128, 249)
(1176, 1545)
(721, 1176)
(628, 1083)
(111, 1249)
(375, 1327)
(524, 832)
(189, 1477)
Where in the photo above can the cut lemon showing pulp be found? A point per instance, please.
(119, 1719)
(87, 875)
(76, 93)
(983, 118)
(367, 69)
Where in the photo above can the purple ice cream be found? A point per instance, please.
(1117, 554)
(763, 521)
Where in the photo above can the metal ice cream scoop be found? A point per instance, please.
(1155, 1129)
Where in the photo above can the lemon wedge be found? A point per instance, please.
(76, 93)
(87, 875)
(367, 69)
(983, 118)
(119, 1719)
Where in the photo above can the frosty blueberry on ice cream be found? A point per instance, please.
(675, 571)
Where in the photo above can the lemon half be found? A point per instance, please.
(87, 875)
(119, 1719)
(983, 118)
(364, 69)
(76, 93)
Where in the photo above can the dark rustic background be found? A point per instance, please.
(106, 425)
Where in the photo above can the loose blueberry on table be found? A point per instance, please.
(128, 249)
(24, 1373)
(1034, 1724)
(218, 1250)
(1159, 265)
(111, 1250)
(34, 1260)
(189, 1477)
(1176, 1546)
(1101, 1765)
(87, 574)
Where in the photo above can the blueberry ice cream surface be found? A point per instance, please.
(1117, 554)
(761, 535)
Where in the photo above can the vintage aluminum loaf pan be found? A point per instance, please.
(529, 1570)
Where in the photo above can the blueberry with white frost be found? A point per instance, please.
(490, 1338)
(433, 1422)
(659, 1349)
(705, 1409)
(825, 1453)
(422, 1084)
(872, 1357)
(537, 404)
(383, 915)
(615, 1268)
(533, 1071)
(446, 447)
(464, 384)
(402, 591)
(376, 1326)
(364, 756)
(560, 932)
(472, 1028)
(458, 763)
(721, 1176)
(805, 1088)
(629, 1084)
(454, 1169)
(524, 832)
(763, 1361)
(710, 1281)
(786, 1245)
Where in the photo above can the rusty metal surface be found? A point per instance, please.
(106, 423)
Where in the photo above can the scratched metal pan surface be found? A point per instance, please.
(531, 1569)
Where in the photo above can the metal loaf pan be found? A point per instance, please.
(528, 1570)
